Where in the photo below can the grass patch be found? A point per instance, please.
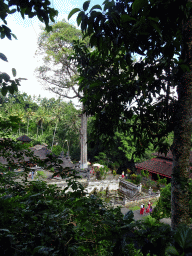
(137, 206)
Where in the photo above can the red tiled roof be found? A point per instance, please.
(159, 166)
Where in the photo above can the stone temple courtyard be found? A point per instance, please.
(99, 185)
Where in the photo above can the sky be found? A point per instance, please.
(21, 52)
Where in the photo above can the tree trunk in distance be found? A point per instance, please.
(42, 127)
(182, 137)
(27, 125)
(83, 163)
(54, 135)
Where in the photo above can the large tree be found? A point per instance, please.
(58, 73)
(112, 82)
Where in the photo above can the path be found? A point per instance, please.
(138, 216)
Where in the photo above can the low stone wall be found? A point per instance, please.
(102, 185)
(92, 185)
(110, 185)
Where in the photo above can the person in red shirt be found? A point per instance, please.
(142, 209)
(148, 208)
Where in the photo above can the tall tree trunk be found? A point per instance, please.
(37, 131)
(54, 135)
(83, 164)
(27, 125)
(42, 127)
(182, 137)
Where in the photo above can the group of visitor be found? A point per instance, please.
(31, 174)
(149, 208)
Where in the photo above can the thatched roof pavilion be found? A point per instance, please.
(24, 138)
(40, 151)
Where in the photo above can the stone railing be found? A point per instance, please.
(129, 189)
(102, 185)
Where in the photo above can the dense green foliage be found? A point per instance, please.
(54, 122)
(44, 120)
(163, 207)
(40, 219)
(116, 89)
(120, 153)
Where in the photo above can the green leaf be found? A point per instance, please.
(108, 5)
(97, 6)
(23, 11)
(12, 11)
(137, 5)
(172, 250)
(154, 19)
(13, 35)
(126, 17)
(3, 57)
(14, 72)
(79, 18)
(73, 12)
(5, 22)
(155, 25)
(185, 67)
(11, 90)
(93, 40)
(86, 5)
(4, 90)
(22, 78)
(5, 77)
(183, 238)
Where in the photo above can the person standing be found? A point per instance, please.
(148, 208)
(142, 209)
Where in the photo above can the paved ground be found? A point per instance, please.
(138, 216)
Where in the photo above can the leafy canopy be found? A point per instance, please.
(115, 87)
(58, 73)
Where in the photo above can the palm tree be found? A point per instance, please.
(19, 112)
(28, 115)
(37, 119)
